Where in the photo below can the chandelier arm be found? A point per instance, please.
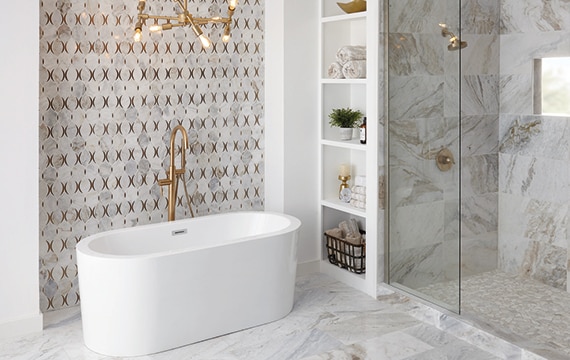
(159, 17)
(185, 18)
(203, 21)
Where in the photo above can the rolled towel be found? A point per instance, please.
(336, 232)
(350, 228)
(335, 71)
(358, 197)
(347, 53)
(353, 225)
(354, 69)
(345, 229)
(358, 204)
(360, 190)
(354, 240)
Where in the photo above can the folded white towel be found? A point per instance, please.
(335, 71)
(354, 69)
(347, 53)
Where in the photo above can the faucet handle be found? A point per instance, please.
(163, 182)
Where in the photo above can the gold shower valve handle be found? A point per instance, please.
(444, 159)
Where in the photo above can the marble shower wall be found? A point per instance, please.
(107, 107)
(425, 87)
(479, 135)
(534, 150)
(423, 112)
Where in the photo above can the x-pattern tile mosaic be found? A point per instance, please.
(107, 107)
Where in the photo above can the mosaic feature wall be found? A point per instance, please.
(107, 107)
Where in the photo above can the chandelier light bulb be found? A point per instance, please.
(205, 41)
(183, 17)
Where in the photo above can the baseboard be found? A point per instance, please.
(23, 326)
(308, 268)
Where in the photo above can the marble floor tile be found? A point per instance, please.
(521, 310)
(329, 320)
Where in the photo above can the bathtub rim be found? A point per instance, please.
(83, 249)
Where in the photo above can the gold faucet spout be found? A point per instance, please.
(173, 172)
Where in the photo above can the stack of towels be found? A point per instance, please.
(348, 231)
(350, 63)
(358, 195)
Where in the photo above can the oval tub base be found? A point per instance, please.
(144, 305)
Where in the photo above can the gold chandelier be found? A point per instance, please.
(184, 18)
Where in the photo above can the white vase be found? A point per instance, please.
(345, 133)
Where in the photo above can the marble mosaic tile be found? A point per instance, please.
(107, 106)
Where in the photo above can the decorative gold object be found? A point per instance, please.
(444, 159)
(343, 184)
(353, 6)
(184, 18)
(175, 173)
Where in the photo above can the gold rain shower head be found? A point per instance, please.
(455, 42)
(184, 18)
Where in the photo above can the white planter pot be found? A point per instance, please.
(345, 133)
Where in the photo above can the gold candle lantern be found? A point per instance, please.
(343, 176)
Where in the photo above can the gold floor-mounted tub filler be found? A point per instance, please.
(174, 173)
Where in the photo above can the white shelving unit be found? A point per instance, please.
(338, 29)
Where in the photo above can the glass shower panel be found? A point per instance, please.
(423, 148)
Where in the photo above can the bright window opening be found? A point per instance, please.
(554, 93)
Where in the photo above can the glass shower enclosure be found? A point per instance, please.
(424, 148)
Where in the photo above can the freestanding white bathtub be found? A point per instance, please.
(156, 287)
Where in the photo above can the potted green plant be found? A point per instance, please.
(346, 119)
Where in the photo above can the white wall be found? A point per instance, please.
(291, 133)
(19, 79)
